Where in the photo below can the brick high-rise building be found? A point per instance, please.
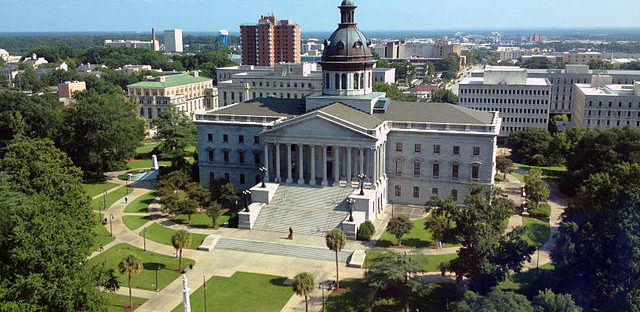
(270, 42)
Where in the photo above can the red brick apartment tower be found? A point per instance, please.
(270, 42)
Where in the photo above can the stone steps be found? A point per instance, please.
(281, 249)
(307, 222)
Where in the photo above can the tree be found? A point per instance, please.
(188, 206)
(399, 226)
(512, 252)
(181, 239)
(393, 92)
(438, 225)
(444, 96)
(303, 285)
(130, 265)
(504, 164)
(537, 190)
(335, 240)
(214, 212)
(548, 301)
(170, 202)
(226, 194)
(495, 301)
(600, 64)
(531, 146)
(176, 132)
(196, 192)
(394, 273)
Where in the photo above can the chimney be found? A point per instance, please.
(153, 39)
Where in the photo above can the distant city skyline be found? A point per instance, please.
(373, 15)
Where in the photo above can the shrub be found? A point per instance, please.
(543, 210)
(366, 231)
(234, 220)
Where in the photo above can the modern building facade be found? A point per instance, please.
(188, 93)
(173, 41)
(521, 101)
(407, 151)
(138, 44)
(580, 56)
(602, 104)
(270, 42)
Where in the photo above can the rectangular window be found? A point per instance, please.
(454, 195)
(210, 137)
(436, 170)
(416, 169)
(242, 179)
(398, 191)
(456, 150)
(398, 147)
(434, 191)
(436, 149)
(241, 139)
(212, 178)
(475, 172)
(210, 156)
(398, 167)
(226, 178)
(418, 148)
(241, 157)
(256, 140)
(476, 151)
(226, 156)
(454, 171)
(256, 156)
(416, 192)
(225, 138)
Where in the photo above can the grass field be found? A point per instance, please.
(202, 221)
(134, 222)
(145, 149)
(141, 204)
(146, 279)
(111, 198)
(430, 263)
(543, 210)
(116, 303)
(101, 235)
(417, 238)
(242, 292)
(553, 172)
(94, 189)
(538, 231)
(161, 234)
(145, 163)
(521, 281)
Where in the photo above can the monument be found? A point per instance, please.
(154, 162)
(186, 305)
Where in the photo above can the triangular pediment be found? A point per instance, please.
(318, 125)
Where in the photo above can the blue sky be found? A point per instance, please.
(313, 15)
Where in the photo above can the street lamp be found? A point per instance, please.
(351, 201)
(204, 280)
(144, 235)
(111, 225)
(362, 177)
(263, 170)
(246, 194)
(321, 286)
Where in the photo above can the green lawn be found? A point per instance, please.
(141, 204)
(94, 189)
(417, 238)
(430, 263)
(134, 222)
(116, 303)
(101, 235)
(202, 221)
(553, 172)
(145, 149)
(242, 292)
(146, 163)
(98, 203)
(521, 281)
(161, 234)
(146, 279)
(543, 210)
(538, 231)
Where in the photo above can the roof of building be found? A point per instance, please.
(607, 90)
(171, 81)
(264, 107)
(434, 112)
(480, 81)
(347, 43)
(352, 115)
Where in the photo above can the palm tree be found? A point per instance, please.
(303, 285)
(130, 265)
(335, 241)
(181, 239)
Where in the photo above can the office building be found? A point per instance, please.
(173, 41)
(270, 42)
(521, 101)
(602, 104)
(581, 56)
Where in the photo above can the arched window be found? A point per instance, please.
(337, 82)
(362, 81)
(344, 81)
(356, 79)
(327, 81)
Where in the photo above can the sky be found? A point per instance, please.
(313, 15)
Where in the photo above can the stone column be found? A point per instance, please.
(371, 165)
(336, 165)
(384, 160)
(312, 179)
(289, 176)
(349, 165)
(361, 160)
(324, 165)
(300, 164)
(266, 161)
(277, 147)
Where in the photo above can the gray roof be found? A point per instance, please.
(352, 115)
(434, 112)
(264, 107)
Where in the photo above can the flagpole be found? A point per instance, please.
(205, 293)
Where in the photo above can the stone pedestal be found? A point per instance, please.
(364, 203)
(247, 219)
(261, 194)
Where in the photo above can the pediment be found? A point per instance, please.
(318, 126)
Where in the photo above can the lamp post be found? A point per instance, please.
(126, 186)
(321, 286)
(362, 177)
(157, 268)
(204, 280)
(144, 235)
(246, 194)
(111, 225)
(263, 170)
(351, 201)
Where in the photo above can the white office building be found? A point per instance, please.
(602, 104)
(173, 41)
